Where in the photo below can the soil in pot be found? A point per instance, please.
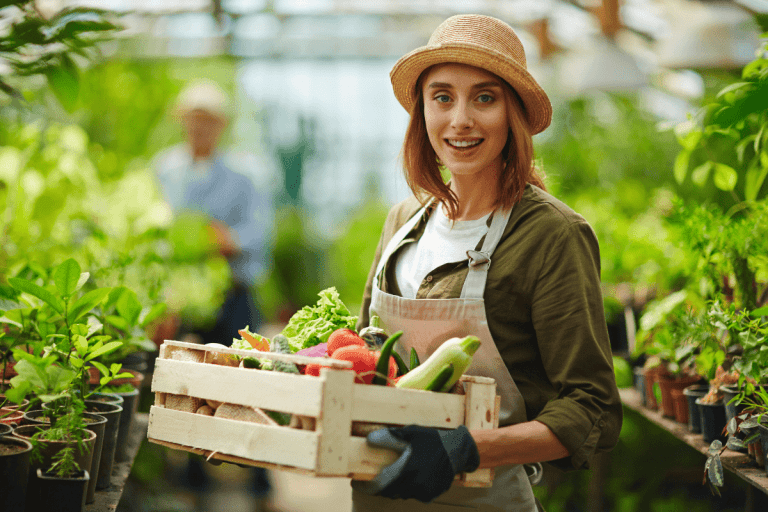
(49, 448)
(694, 415)
(14, 473)
(10, 416)
(712, 420)
(7, 404)
(107, 398)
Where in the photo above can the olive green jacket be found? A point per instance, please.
(544, 305)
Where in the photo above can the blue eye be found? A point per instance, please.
(485, 98)
(442, 98)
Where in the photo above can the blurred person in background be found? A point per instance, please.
(491, 254)
(196, 176)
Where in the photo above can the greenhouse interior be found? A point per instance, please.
(199, 200)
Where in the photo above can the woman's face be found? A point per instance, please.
(465, 111)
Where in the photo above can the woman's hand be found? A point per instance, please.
(429, 461)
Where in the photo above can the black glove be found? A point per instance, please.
(429, 461)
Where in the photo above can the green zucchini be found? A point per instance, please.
(457, 351)
(441, 378)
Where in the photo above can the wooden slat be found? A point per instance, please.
(480, 413)
(384, 404)
(334, 425)
(297, 394)
(290, 358)
(277, 445)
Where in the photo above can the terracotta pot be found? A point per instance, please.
(680, 404)
(667, 383)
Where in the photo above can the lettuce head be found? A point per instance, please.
(312, 325)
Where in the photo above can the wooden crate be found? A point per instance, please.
(330, 408)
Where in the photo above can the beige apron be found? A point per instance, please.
(426, 323)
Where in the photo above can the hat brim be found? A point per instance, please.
(406, 72)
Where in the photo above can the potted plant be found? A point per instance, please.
(53, 369)
(666, 337)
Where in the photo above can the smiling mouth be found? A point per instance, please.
(463, 144)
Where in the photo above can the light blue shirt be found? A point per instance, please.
(211, 187)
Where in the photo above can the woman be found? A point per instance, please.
(491, 254)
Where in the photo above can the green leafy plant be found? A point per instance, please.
(65, 338)
(49, 44)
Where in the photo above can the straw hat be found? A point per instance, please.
(203, 95)
(480, 41)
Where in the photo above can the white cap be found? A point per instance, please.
(203, 95)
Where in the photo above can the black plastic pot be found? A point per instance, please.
(101, 478)
(130, 407)
(712, 421)
(98, 424)
(56, 494)
(694, 415)
(5, 429)
(14, 472)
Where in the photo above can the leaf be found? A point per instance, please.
(71, 23)
(106, 349)
(87, 302)
(81, 345)
(129, 307)
(37, 291)
(9, 305)
(59, 378)
(725, 177)
(681, 166)
(117, 322)
(753, 181)
(65, 83)
(150, 315)
(759, 312)
(66, 277)
(6, 320)
(83, 279)
(733, 87)
(29, 372)
(701, 173)
(102, 369)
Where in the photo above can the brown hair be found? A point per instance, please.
(422, 170)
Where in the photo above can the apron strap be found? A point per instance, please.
(480, 261)
(395, 241)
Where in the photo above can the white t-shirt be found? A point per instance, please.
(443, 242)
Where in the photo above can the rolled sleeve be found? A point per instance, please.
(567, 312)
